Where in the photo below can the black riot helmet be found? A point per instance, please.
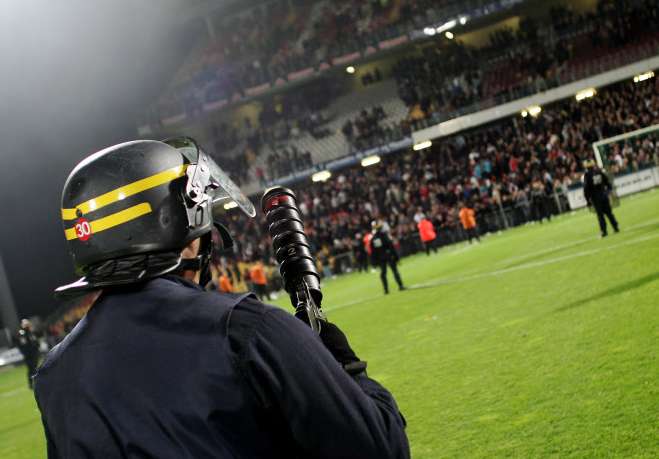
(130, 209)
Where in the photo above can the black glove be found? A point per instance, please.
(337, 343)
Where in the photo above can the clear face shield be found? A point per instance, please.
(209, 188)
(207, 182)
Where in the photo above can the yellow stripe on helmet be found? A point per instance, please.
(125, 191)
(112, 220)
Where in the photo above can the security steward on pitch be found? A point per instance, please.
(384, 254)
(596, 190)
(159, 367)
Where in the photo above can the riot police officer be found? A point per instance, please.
(384, 255)
(596, 191)
(161, 368)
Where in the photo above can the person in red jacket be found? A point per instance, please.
(427, 234)
(367, 243)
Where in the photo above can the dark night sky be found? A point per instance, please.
(74, 75)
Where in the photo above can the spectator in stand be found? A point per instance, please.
(427, 234)
(468, 220)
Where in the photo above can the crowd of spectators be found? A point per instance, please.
(511, 172)
(370, 128)
(240, 144)
(447, 78)
(285, 163)
(269, 41)
(275, 38)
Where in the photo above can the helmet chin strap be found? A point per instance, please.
(201, 262)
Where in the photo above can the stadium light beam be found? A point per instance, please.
(350, 69)
(422, 145)
(321, 176)
(230, 205)
(585, 94)
(643, 76)
(370, 160)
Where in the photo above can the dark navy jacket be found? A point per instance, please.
(596, 186)
(165, 370)
(382, 248)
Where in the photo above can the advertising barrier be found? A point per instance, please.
(624, 185)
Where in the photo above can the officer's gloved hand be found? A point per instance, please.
(337, 343)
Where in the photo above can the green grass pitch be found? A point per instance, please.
(539, 342)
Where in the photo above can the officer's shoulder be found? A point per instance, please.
(250, 316)
(196, 296)
(54, 354)
(249, 312)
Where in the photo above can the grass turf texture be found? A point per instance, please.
(539, 342)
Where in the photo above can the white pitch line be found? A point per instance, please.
(568, 245)
(350, 303)
(9, 393)
(536, 264)
(443, 281)
(544, 251)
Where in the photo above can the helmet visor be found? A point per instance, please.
(223, 191)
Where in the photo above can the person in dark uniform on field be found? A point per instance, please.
(384, 254)
(159, 367)
(28, 344)
(359, 252)
(596, 190)
(539, 200)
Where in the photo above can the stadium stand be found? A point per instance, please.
(513, 172)
(446, 79)
(447, 82)
(275, 38)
